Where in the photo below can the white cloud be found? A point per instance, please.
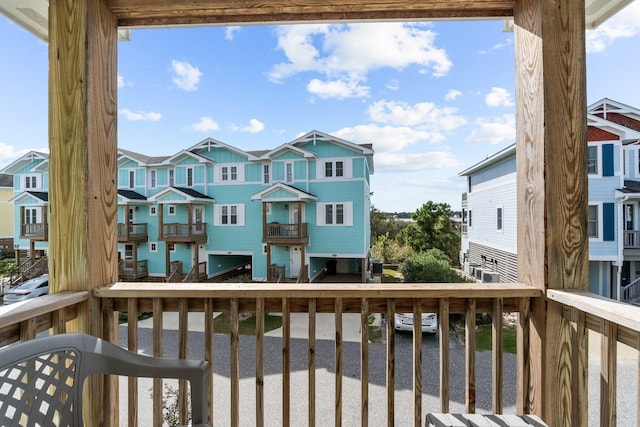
(120, 81)
(386, 138)
(348, 52)
(206, 124)
(453, 95)
(393, 84)
(624, 24)
(494, 131)
(8, 153)
(422, 114)
(498, 46)
(339, 89)
(499, 97)
(230, 32)
(186, 76)
(135, 116)
(254, 126)
(412, 162)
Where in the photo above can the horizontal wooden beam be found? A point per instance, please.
(318, 290)
(138, 13)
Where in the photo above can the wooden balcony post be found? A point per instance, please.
(552, 190)
(83, 161)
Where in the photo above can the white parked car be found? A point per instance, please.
(32, 288)
(404, 322)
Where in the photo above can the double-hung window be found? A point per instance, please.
(335, 169)
(153, 178)
(499, 219)
(265, 173)
(592, 222)
(228, 215)
(189, 177)
(30, 182)
(335, 213)
(592, 162)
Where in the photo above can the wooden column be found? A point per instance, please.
(552, 188)
(83, 161)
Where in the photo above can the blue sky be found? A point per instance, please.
(432, 98)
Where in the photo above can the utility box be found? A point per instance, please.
(377, 267)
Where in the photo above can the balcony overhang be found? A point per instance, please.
(33, 15)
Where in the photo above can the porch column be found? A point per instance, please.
(83, 163)
(552, 195)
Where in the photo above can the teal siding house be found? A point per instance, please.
(297, 212)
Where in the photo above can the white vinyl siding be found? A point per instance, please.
(334, 214)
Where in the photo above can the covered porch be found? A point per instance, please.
(555, 312)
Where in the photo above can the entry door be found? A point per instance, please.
(293, 219)
(295, 261)
(629, 238)
(198, 215)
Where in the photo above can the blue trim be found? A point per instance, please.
(607, 160)
(608, 215)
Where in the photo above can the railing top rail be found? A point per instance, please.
(29, 309)
(616, 312)
(319, 290)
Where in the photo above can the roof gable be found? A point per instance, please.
(281, 192)
(180, 195)
(30, 160)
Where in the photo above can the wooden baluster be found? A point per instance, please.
(391, 309)
(443, 329)
(312, 362)
(470, 357)
(497, 355)
(364, 362)
(417, 362)
(339, 362)
(259, 362)
(132, 345)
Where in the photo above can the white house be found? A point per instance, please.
(489, 246)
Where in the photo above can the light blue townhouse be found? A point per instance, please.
(296, 212)
(489, 206)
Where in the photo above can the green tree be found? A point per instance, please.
(390, 250)
(433, 228)
(429, 267)
(383, 224)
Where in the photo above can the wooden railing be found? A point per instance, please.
(34, 231)
(29, 269)
(339, 300)
(630, 292)
(285, 231)
(133, 270)
(176, 274)
(276, 273)
(617, 323)
(196, 273)
(184, 232)
(132, 231)
(24, 320)
(631, 239)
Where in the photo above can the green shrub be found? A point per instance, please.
(429, 267)
(390, 250)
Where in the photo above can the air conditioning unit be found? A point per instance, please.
(478, 272)
(490, 277)
(470, 268)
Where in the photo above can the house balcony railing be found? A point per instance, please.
(382, 366)
(133, 270)
(39, 231)
(184, 233)
(285, 233)
(132, 232)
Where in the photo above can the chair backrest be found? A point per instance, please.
(41, 380)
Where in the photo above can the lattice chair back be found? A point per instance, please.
(41, 380)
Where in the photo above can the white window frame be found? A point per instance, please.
(153, 211)
(172, 177)
(153, 247)
(500, 219)
(347, 172)
(289, 172)
(171, 209)
(230, 173)
(31, 215)
(268, 209)
(598, 160)
(172, 247)
(598, 220)
(31, 182)
(266, 175)
(347, 214)
(224, 211)
(153, 178)
(131, 180)
(189, 176)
